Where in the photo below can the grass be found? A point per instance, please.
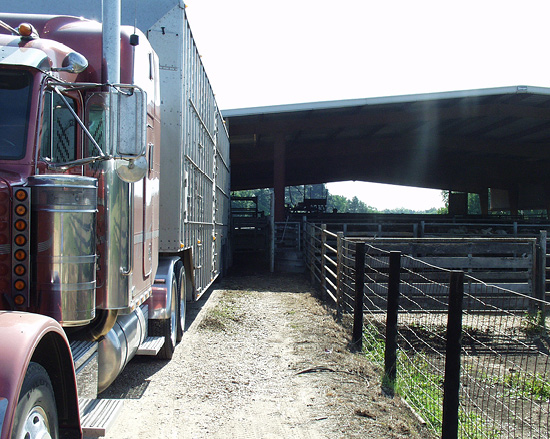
(528, 385)
(421, 388)
(534, 324)
(374, 344)
(420, 383)
(472, 426)
(223, 315)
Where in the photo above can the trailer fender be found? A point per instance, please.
(26, 337)
(161, 299)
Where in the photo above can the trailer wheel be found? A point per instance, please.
(167, 328)
(182, 305)
(36, 413)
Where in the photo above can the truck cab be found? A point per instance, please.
(79, 190)
(91, 273)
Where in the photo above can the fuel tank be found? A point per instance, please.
(63, 221)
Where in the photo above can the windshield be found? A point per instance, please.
(15, 86)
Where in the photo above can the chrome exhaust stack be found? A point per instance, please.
(111, 39)
(120, 345)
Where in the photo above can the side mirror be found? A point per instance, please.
(131, 171)
(131, 139)
(131, 124)
(74, 62)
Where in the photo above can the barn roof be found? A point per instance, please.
(463, 140)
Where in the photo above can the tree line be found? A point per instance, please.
(334, 203)
(340, 204)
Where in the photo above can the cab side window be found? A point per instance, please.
(96, 126)
(58, 138)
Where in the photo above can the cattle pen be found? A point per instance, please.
(457, 325)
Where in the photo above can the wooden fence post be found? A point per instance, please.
(357, 335)
(451, 383)
(390, 352)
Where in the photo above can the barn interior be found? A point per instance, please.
(478, 141)
(491, 142)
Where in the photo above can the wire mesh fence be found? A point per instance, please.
(421, 338)
(505, 372)
(497, 386)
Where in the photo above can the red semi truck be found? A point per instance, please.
(101, 129)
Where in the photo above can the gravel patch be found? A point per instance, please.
(261, 358)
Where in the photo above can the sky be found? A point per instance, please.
(261, 53)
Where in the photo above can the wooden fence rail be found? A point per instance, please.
(515, 264)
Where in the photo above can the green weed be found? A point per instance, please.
(373, 344)
(528, 385)
(420, 384)
(534, 324)
(472, 426)
(222, 315)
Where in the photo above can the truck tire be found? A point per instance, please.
(36, 413)
(182, 299)
(167, 328)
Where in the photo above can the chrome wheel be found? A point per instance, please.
(182, 305)
(36, 425)
(174, 312)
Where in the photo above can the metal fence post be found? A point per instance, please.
(323, 263)
(305, 242)
(451, 384)
(357, 335)
(390, 352)
(339, 292)
(273, 233)
(540, 283)
(310, 251)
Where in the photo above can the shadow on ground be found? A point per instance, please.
(250, 272)
(247, 263)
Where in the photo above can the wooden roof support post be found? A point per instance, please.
(484, 202)
(279, 169)
(513, 194)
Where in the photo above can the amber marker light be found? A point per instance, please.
(20, 225)
(25, 29)
(20, 210)
(19, 299)
(19, 270)
(20, 255)
(20, 195)
(20, 240)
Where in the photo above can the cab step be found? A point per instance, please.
(86, 357)
(151, 346)
(82, 352)
(97, 415)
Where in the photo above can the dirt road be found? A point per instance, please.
(261, 358)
